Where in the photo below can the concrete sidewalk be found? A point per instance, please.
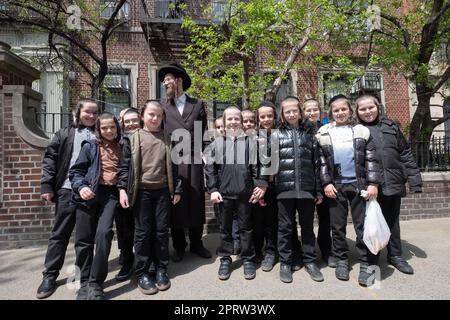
(426, 246)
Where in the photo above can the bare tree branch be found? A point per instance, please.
(406, 36)
(435, 123)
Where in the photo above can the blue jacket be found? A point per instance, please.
(86, 172)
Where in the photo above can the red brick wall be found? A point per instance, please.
(396, 98)
(25, 220)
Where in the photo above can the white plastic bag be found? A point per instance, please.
(376, 230)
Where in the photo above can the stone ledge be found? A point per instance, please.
(436, 176)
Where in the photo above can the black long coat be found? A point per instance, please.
(190, 211)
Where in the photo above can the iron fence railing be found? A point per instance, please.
(50, 122)
(433, 155)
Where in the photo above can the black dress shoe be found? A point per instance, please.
(146, 285)
(314, 271)
(125, 272)
(178, 255)
(224, 268)
(285, 273)
(400, 263)
(201, 252)
(162, 280)
(46, 288)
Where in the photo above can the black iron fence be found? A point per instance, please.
(50, 122)
(433, 155)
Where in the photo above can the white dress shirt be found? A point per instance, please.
(180, 102)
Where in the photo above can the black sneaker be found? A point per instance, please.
(249, 270)
(285, 273)
(125, 272)
(82, 293)
(225, 268)
(47, 287)
(314, 271)
(341, 271)
(401, 264)
(146, 284)
(268, 263)
(162, 280)
(95, 292)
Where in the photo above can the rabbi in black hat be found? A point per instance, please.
(182, 112)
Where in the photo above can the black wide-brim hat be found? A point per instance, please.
(177, 71)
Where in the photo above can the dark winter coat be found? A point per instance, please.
(56, 161)
(298, 160)
(224, 171)
(397, 164)
(190, 211)
(366, 163)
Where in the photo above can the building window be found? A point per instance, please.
(333, 83)
(219, 10)
(169, 9)
(117, 93)
(110, 6)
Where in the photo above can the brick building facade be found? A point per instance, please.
(25, 220)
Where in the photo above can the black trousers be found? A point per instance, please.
(265, 225)
(324, 231)
(179, 237)
(390, 205)
(151, 239)
(227, 208)
(286, 223)
(235, 225)
(94, 227)
(65, 217)
(348, 194)
(125, 235)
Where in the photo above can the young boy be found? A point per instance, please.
(148, 182)
(231, 176)
(130, 120)
(60, 155)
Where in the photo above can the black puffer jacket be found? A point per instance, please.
(231, 167)
(397, 164)
(366, 163)
(298, 156)
(56, 161)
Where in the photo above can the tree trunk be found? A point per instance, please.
(95, 88)
(421, 128)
